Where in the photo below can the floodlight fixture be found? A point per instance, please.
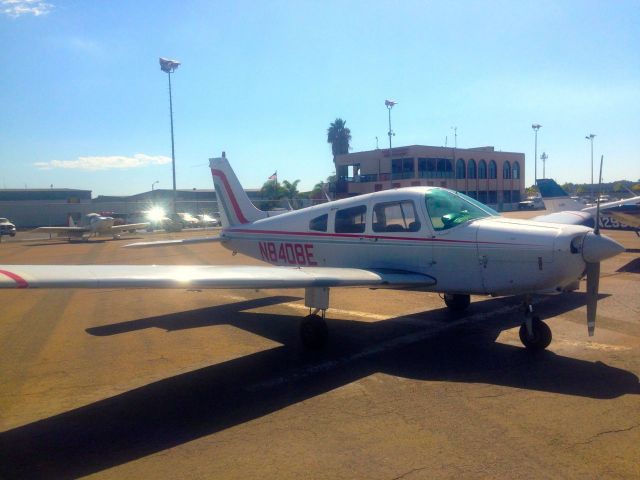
(168, 66)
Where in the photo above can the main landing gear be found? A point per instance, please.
(314, 332)
(457, 302)
(534, 333)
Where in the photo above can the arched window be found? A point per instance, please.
(460, 168)
(445, 169)
(506, 170)
(516, 170)
(482, 169)
(471, 168)
(493, 170)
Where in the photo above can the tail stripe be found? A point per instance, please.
(236, 208)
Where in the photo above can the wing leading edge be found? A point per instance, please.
(211, 276)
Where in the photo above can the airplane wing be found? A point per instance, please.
(614, 204)
(568, 217)
(70, 232)
(202, 276)
(130, 226)
(184, 241)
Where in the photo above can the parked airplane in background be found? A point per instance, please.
(618, 215)
(92, 224)
(418, 238)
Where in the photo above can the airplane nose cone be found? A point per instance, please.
(596, 248)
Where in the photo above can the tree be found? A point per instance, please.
(339, 137)
(290, 190)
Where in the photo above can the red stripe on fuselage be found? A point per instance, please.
(21, 282)
(379, 237)
(236, 208)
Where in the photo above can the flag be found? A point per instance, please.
(274, 176)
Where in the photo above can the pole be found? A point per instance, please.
(591, 138)
(535, 159)
(389, 107)
(173, 153)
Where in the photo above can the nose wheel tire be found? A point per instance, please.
(457, 302)
(313, 332)
(541, 335)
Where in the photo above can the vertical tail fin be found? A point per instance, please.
(555, 198)
(234, 204)
(70, 221)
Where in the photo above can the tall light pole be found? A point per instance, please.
(170, 66)
(535, 127)
(390, 104)
(154, 184)
(544, 157)
(590, 138)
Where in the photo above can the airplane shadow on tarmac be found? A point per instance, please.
(191, 405)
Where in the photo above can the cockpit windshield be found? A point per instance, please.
(448, 209)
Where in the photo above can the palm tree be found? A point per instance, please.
(339, 137)
(290, 189)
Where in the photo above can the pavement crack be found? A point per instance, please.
(404, 475)
(606, 432)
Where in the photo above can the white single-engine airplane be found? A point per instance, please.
(91, 224)
(418, 238)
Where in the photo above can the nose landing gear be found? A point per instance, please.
(534, 333)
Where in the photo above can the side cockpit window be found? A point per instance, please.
(351, 220)
(395, 217)
(319, 224)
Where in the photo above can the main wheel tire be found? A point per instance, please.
(541, 337)
(313, 332)
(457, 302)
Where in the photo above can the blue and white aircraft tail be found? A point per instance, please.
(618, 215)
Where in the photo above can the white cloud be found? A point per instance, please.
(16, 8)
(105, 163)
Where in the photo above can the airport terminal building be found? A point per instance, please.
(492, 177)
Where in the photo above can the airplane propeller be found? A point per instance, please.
(593, 267)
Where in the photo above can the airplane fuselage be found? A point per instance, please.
(490, 255)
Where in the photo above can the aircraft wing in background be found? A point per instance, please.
(130, 226)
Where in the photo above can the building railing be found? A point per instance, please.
(432, 174)
(402, 175)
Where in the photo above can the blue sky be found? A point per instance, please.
(85, 105)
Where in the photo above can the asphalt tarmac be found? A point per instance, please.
(215, 384)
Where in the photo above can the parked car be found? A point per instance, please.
(7, 228)
(207, 220)
(531, 203)
(187, 220)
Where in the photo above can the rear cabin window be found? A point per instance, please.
(351, 220)
(319, 224)
(395, 217)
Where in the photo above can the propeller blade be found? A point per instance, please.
(593, 281)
